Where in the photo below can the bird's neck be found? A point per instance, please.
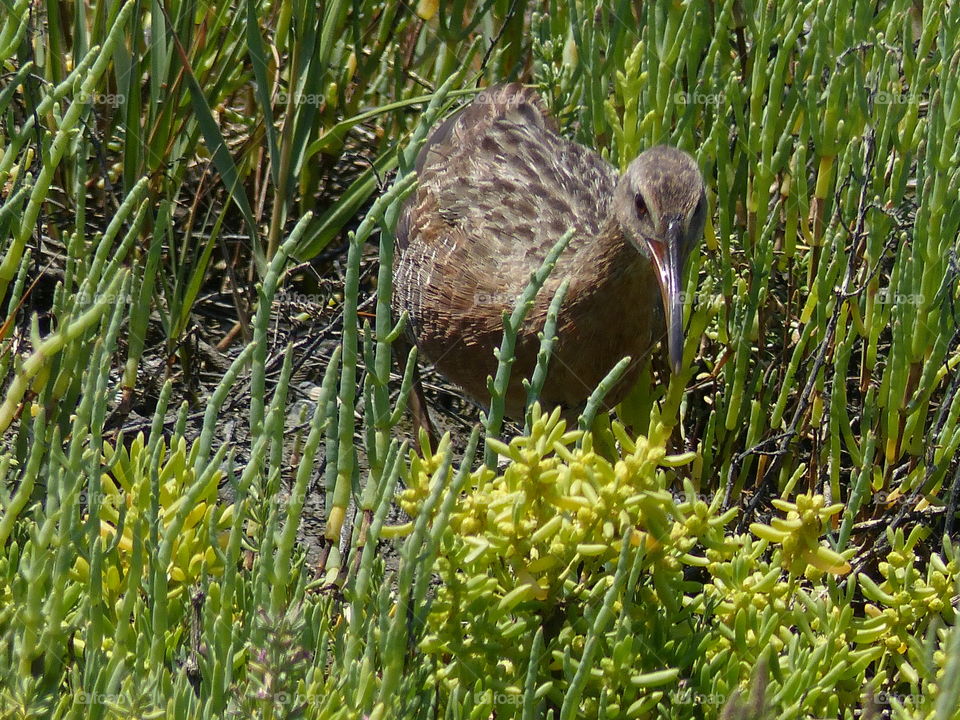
(609, 260)
(610, 278)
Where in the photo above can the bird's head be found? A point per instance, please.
(661, 208)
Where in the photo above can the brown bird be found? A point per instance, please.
(498, 186)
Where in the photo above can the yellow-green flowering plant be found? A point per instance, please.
(535, 546)
(798, 535)
(125, 491)
(902, 606)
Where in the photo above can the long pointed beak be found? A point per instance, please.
(666, 257)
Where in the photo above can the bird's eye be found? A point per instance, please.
(641, 206)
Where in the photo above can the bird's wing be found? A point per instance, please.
(499, 173)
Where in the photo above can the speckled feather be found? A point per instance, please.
(497, 188)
